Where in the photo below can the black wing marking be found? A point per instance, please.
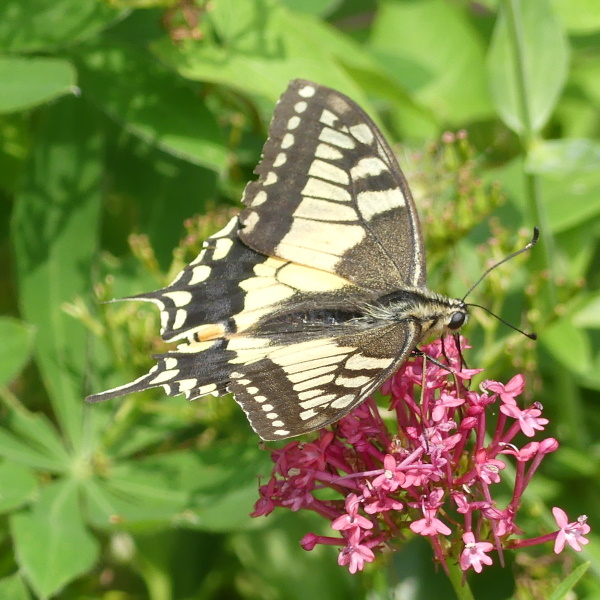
(330, 194)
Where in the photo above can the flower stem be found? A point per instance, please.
(459, 583)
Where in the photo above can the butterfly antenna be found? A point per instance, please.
(531, 336)
(531, 244)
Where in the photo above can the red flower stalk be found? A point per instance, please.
(432, 474)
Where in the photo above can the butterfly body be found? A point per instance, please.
(314, 294)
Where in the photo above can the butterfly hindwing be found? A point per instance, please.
(326, 378)
(330, 194)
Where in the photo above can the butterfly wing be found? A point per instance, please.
(330, 194)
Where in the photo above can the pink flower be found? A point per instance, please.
(474, 555)
(528, 418)
(355, 555)
(570, 533)
(391, 479)
(507, 392)
(430, 474)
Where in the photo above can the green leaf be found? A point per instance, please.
(17, 341)
(588, 316)
(259, 61)
(569, 169)
(216, 488)
(531, 51)
(569, 345)
(34, 25)
(452, 84)
(17, 486)
(27, 82)
(54, 230)
(152, 103)
(578, 16)
(573, 157)
(569, 582)
(52, 545)
(14, 588)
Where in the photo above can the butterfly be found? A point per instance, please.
(315, 294)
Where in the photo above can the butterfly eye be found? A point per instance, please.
(457, 320)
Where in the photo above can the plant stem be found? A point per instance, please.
(461, 587)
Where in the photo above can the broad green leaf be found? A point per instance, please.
(530, 52)
(259, 61)
(52, 545)
(589, 314)
(17, 486)
(14, 588)
(30, 438)
(579, 17)
(152, 103)
(440, 63)
(159, 488)
(17, 340)
(573, 157)
(27, 82)
(34, 25)
(568, 344)
(54, 231)
(314, 7)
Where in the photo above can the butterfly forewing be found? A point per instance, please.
(331, 195)
(305, 303)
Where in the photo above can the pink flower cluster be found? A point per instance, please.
(431, 474)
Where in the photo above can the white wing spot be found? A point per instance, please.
(352, 381)
(321, 189)
(278, 423)
(170, 363)
(272, 415)
(260, 197)
(328, 118)
(328, 152)
(368, 167)
(309, 394)
(375, 202)
(252, 390)
(343, 401)
(279, 160)
(325, 170)
(293, 122)
(357, 362)
(305, 385)
(267, 407)
(180, 317)
(250, 221)
(324, 210)
(287, 141)
(337, 138)
(281, 432)
(307, 414)
(222, 248)
(187, 384)
(164, 376)
(199, 274)
(362, 133)
(317, 401)
(260, 398)
(271, 178)
(179, 298)
(308, 91)
(300, 107)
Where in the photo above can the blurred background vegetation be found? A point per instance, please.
(128, 129)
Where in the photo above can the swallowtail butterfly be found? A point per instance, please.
(310, 298)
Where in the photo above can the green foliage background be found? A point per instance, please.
(127, 117)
